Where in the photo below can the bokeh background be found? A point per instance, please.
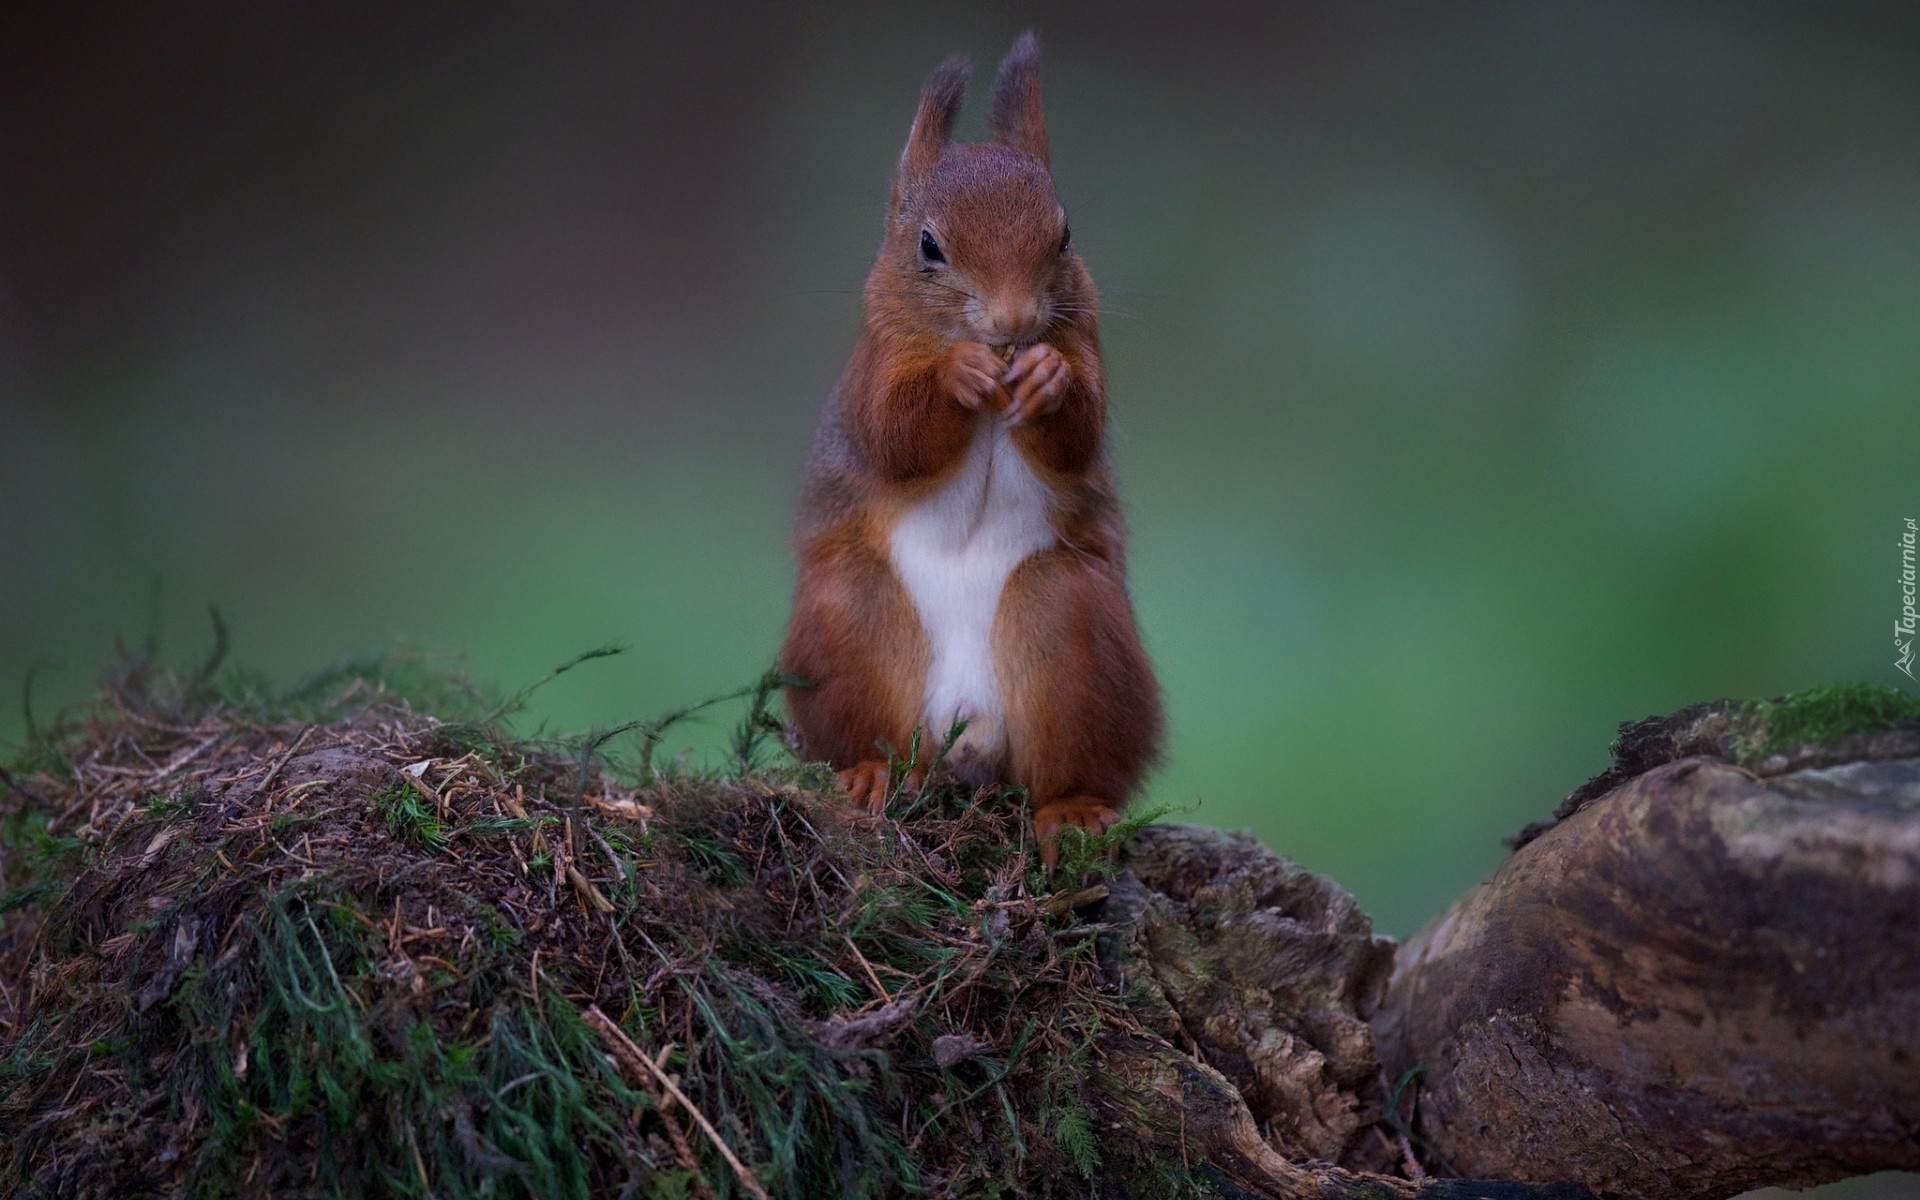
(1482, 374)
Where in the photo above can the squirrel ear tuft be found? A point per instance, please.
(933, 123)
(1017, 120)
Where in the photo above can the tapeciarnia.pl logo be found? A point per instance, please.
(1903, 628)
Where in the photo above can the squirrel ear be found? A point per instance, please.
(933, 123)
(1017, 120)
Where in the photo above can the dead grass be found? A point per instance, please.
(353, 938)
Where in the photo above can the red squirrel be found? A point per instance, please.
(960, 543)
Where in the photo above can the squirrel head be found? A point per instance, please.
(977, 246)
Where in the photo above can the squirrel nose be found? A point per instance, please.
(1014, 318)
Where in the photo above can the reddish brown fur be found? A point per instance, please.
(855, 635)
(1083, 709)
(1073, 673)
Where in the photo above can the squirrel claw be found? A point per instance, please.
(1083, 812)
(973, 375)
(1035, 381)
(869, 783)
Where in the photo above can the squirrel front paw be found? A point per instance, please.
(973, 373)
(1035, 381)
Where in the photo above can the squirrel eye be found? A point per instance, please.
(1066, 238)
(930, 249)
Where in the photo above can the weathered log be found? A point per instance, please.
(1264, 970)
(1702, 981)
(1252, 979)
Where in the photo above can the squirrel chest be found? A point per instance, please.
(954, 551)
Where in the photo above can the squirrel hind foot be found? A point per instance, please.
(869, 782)
(1081, 812)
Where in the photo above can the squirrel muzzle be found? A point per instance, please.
(1012, 320)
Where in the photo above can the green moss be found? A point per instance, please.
(712, 859)
(376, 1099)
(34, 862)
(409, 815)
(1821, 714)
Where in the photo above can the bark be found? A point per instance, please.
(1252, 980)
(1702, 981)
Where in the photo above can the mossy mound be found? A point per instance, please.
(368, 950)
(356, 939)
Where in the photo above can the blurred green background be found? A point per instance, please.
(1482, 375)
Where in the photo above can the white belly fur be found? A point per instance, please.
(954, 551)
